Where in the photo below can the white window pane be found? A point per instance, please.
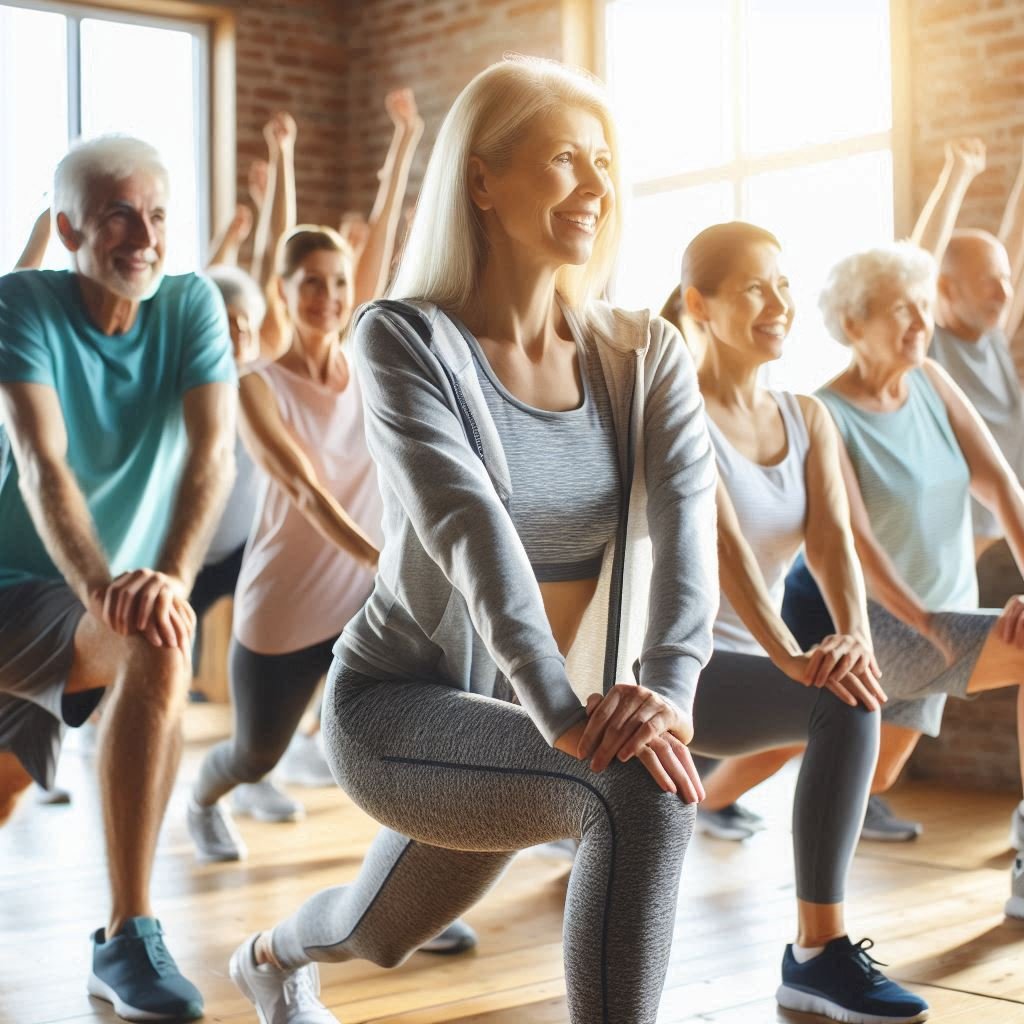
(668, 74)
(657, 231)
(816, 72)
(820, 214)
(139, 80)
(33, 124)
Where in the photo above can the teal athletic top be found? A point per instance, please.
(122, 401)
(916, 487)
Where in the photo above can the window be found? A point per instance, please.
(777, 112)
(67, 72)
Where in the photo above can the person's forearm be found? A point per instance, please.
(224, 248)
(1010, 513)
(835, 568)
(32, 255)
(934, 226)
(887, 587)
(262, 266)
(282, 206)
(205, 485)
(333, 523)
(61, 518)
(376, 256)
(743, 584)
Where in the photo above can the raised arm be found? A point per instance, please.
(374, 262)
(280, 132)
(35, 425)
(965, 160)
(261, 190)
(1011, 228)
(31, 257)
(267, 440)
(224, 248)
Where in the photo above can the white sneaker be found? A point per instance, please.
(1015, 904)
(304, 763)
(214, 833)
(265, 802)
(280, 997)
(1017, 829)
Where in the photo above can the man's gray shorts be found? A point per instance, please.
(37, 645)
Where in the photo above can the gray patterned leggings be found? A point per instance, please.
(460, 783)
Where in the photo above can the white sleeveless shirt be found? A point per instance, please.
(295, 588)
(771, 506)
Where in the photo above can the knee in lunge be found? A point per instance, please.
(157, 677)
(631, 796)
(14, 780)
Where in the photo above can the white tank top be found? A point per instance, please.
(295, 588)
(771, 506)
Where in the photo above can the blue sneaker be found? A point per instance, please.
(842, 983)
(135, 972)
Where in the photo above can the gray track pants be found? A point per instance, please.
(745, 704)
(461, 783)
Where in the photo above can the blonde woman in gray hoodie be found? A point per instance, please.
(549, 522)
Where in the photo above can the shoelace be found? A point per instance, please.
(299, 988)
(865, 961)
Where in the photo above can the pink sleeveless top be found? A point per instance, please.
(295, 588)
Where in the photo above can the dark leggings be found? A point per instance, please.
(460, 782)
(745, 704)
(270, 693)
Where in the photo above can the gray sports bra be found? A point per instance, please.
(566, 490)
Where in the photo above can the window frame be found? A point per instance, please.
(215, 116)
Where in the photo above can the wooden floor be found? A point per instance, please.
(933, 906)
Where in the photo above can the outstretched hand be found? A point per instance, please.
(280, 131)
(401, 107)
(966, 155)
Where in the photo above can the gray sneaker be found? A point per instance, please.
(304, 763)
(883, 826)
(1015, 904)
(458, 937)
(214, 833)
(733, 822)
(265, 802)
(1017, 829)
(280, 997)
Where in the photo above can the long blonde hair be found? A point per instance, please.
(446, 249)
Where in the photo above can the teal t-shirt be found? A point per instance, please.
(121, 396)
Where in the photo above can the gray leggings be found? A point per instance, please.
(460, 783)
(745, 704)
(270, 693)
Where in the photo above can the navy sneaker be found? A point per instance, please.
(135, 972)
(842, 983)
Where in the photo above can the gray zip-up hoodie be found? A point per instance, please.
(455, 599)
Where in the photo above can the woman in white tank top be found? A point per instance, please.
(780, 487)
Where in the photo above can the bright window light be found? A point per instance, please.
(777, 112)
(142, 77)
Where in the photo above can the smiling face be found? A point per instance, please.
(898, 326)
(752, 310)
(319, 293)
(121, 242)
(554, 195)
(976, 283)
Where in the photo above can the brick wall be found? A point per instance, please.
(435, 47)
(291, 55)
(967, 68)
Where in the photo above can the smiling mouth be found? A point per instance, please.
(776, 331)
(584, 221)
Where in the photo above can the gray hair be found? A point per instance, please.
(852, 281)
(445, 252)
(105, 158)
(237, 288)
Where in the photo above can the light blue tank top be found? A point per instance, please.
(916, 487)
(771, 507)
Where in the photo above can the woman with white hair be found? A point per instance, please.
(533, 445)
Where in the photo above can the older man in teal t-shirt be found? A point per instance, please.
(117, 392)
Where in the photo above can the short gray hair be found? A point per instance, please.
(238, 288)
(852, 281)
(107, 157)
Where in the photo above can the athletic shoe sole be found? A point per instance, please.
(269, 817)
(805, 1002)
(737, 834)
(1015, 907)
(101, 990)
(889, 837)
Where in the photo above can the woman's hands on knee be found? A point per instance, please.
(631, 721)
(1010, 626)
(843, 664)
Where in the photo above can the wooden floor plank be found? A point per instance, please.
(934, 907)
